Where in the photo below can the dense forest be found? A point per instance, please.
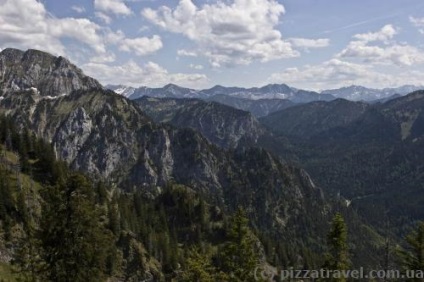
(61, 225)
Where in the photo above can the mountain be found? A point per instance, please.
(309, 119)
(123, 90)
(109, 137)
(115, 236)
(384, 100)
(360, 93)
(258, 108)
(271, 91)
(370, 155)
(169, 90)
(222, 125)
(49, 75)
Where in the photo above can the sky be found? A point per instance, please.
(308, 44)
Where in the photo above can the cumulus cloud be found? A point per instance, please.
(186, 53)
(150, 74)
(142, 45)
(384, 34)
(403, 55)
(228, 33)
(338, 73)
(196, 67)
(104, 58)
(78, 9)
(117, 7)
(376, 48)
(309, 43)
(103, 17)
(418, 22)
(371, 59)
(26, 24)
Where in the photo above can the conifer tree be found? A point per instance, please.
(338, 255)
(198, 267)
(413, 256)
(75, 245)
(239, 257)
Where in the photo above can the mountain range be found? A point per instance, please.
(270, 91)
(308, 156)
(267, 99)
(369, 154)
(114, 139)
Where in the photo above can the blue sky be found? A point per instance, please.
(310, 44)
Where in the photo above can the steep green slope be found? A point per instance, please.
(374, 161)
(310, 119)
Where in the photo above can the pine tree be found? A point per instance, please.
(198, 267)
(413, 257)
(338, 255)
(75, 245)
(239, 257)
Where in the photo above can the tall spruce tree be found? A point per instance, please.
(239, 257)
(337, 257)
(75, 244)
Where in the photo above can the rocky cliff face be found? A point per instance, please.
(222, 125)
(42, 72)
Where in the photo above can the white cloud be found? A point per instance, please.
(82, 30)
(150, 74)
(376, 48)
(26, 24)
(384, 34)
(228, 33)
(117, 7)
(102, 16)
(310, 43)
(142, 45)
(196, 67)
(78, 9)
(336, 73)
(104, 58)
(115, 37)
(186, 53)
(403, 55)
(418, 22)
(371, 59)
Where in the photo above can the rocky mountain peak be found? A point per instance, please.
(50, 75)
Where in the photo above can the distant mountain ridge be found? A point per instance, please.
(271, 91)
(262, 101)
(258, 108)
(360, 93)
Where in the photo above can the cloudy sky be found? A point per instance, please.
(310, 44)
